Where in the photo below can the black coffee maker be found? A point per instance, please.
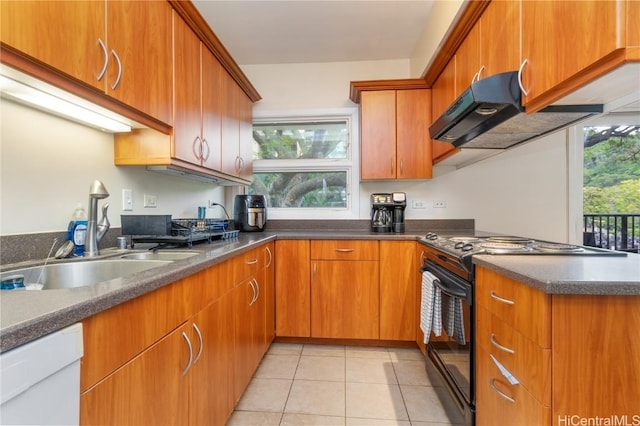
(387, 211)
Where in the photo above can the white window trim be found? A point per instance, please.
(351, 164)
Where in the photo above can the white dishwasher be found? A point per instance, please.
(40, 380)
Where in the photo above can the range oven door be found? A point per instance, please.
(450, 361)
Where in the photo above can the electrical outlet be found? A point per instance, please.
(150, 201)
(418, 204)
(439, 204)
(127, 199)
(211, 203)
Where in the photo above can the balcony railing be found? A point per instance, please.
(612, 231)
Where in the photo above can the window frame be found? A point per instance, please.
(351, 165)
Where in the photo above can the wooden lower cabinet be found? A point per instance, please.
(292, 288)
(575, 356)
(345, 299)
(144, 365)
(398, 289)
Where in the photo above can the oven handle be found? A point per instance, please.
(447, 282)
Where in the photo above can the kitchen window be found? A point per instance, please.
(305, 165)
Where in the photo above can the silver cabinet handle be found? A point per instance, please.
(241, 164)
(492, 338)
(496, 390)
(401, 167)
(344, 250)
(115, 55)
(197, 144)
(391, 166)
(252, 262)
(195, 327)
(186, 369)
(520, 77)
(479, 73)
(270, 257)
(204, 144)
(422, 255)
(315, 269)
(500, 299)
(106, 59)
(253, 288)
(257, 288)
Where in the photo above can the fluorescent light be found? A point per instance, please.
(37, 98)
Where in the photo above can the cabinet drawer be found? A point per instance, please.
(525, 309)
(115, 336)
(527, 361)
(500, 403)
(246, 264)
(344, 250)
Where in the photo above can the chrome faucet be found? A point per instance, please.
(95, 232)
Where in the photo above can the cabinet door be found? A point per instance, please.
(293, 291)
(150, 389)
(345, 299)
(211, 390)
(245, 141)
(468, 61)
(211, 110)
(413, 144)
(398, 285)
(188, 115)
(419, 257)
(230, 125)
(140, 35)
(249, 332)
(62, 34)
(270, 296)
(443, 93)
(378, 134)
(558, 40)
(500, 26)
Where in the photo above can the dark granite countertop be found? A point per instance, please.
(602, 275)
(27, 315)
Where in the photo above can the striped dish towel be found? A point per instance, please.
(430, 307)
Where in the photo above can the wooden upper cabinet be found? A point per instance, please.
(245, 141)
(187, 122)
(230, 111)
(211, 109)
(378, 135)
(562, 38)
(468, 61)
(129, 58)
(413, 144)
(394, 139)
(62, 34)
(443, 94)
(140, 59)
(500, 38)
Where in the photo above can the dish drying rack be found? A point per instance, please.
(188, 231)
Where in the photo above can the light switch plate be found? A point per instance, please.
(127, 199)
(150, 201)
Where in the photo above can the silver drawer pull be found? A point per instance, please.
(500, 299)
(195, 327)
(186, 369)
(344, 250)
(492, 338)
(252, 262)
(496, 390)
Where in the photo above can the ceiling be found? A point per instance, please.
(308, 31)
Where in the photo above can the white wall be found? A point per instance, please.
(522, 191)
(48, 163)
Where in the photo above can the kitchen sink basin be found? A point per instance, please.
(160, 255)
(81, 274)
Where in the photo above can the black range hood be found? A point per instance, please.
(489, 115)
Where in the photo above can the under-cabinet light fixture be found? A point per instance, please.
(40, 99)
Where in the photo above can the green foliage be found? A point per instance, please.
(612, 175)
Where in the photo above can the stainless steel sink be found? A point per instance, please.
(160, 255)
(81, 274)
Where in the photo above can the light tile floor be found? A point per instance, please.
(340, 385)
